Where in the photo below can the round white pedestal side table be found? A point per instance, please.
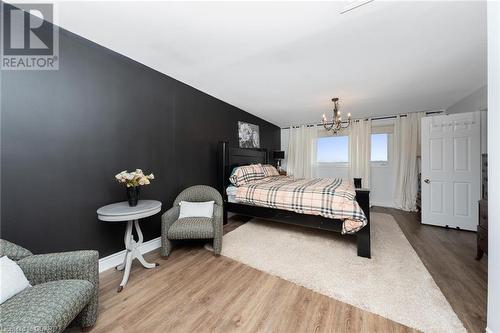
(122, 212)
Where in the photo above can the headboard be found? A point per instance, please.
(230, 158)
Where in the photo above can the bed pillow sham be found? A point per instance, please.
(248, 173)
(270, 171)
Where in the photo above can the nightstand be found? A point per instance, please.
(482, 229)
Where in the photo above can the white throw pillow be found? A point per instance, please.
(12, 279)
(196, 209)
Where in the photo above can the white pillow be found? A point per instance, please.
(196, 209)
(12, 279)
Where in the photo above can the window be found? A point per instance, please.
(379, 147)
(333, 149)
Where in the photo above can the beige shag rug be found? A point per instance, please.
(394, 283)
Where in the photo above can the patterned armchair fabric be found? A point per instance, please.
(46, 307)
(13, 251)
(65, 291)
(193, 228)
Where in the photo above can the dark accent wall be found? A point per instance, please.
(66, 133)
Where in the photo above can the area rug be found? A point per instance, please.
(394, 283)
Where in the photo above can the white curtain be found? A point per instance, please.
(360, 151)
(406, 150)
(301, 154)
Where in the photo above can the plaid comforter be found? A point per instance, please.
(329, 197)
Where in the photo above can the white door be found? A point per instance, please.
(451, 175)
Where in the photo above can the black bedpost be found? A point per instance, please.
(222, 168)
(223, 177)
(363, 236)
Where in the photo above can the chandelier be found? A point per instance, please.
(336, 125)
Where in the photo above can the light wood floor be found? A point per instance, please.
(193, 291)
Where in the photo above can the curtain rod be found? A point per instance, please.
(375, 118)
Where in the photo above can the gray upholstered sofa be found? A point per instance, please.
(193, 227)
(64, 291)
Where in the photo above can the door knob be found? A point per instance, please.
(427, 181)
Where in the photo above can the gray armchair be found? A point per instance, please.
(193, 227)
(64, 292)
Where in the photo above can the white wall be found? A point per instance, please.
(382, 176)
(476, 101)
(493, 325)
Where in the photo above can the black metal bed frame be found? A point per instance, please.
(230, 157)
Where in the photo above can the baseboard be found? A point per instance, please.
(117, 258)
(382, 204)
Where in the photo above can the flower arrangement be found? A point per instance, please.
(134, 178)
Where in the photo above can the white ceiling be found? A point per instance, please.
(284, 61)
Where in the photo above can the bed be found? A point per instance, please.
(230, 158)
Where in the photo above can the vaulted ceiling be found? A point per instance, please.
(284, 61)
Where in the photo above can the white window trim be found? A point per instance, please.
(380, 164)
(332, 164)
